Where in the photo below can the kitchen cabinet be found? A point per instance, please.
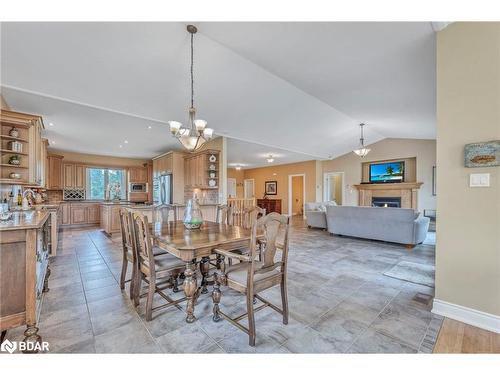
(93, 213)
(110, 218)
(78, 214)
(197, 170)
(162, 165)
(55, 172)
(138, 174)
(171, 162)
(44, 170)
(74, 176)
(65, 213)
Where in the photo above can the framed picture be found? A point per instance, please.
(482, 154)
(271, 188)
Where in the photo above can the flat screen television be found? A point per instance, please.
(387, 172)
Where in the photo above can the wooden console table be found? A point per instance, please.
(270, 205)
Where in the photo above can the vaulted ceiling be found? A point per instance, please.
(299, 88)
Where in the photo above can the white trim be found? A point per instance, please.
(290, 176)
(325, 189)
(467, 315)
(233, 180)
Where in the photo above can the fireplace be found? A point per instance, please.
(386, 202)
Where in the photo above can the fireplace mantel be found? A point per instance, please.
(408, 191)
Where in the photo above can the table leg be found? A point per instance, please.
(204, 267)
(190, 289)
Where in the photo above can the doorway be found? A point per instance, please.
(296, 194)
(231, 187)
(333, 187)
(249, 188)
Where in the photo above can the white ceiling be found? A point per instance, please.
(299, 87)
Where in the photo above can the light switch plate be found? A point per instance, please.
(479, 180)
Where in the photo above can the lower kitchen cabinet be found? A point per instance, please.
(80, 213)
(110, 218)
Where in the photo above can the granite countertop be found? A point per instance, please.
(30, 219)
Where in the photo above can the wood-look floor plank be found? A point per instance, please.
(458, 337)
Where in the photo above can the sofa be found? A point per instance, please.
(400, 225)
(316, 213)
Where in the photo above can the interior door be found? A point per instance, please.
(249, 188)
(231, 188)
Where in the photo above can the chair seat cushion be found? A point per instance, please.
(168, 262)
(238, 273)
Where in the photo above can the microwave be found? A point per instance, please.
(138, 187)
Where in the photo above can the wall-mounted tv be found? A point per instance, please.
(387, 172)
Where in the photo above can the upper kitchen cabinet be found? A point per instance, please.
(201, 170)
(73, 176)
(171, 162)
(55, 172)
(138, 174)
(162, 164)
(21, 149)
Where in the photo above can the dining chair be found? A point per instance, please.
(127, 250)
(224, 214)
(251, 276)
(158, 272)
(161, 214)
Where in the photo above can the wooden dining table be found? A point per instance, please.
(194, 247)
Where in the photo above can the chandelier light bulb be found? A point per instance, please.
(200, 125)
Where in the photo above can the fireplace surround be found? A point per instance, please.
(394, 202)
(406, 191)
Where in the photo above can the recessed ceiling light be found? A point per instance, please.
(121, 146)
(53, 142)
(125, 141)
(270, 159)
(149, 127)
(51, 124)
(238, 168)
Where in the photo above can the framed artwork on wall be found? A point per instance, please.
(271, 188)
(482, 154)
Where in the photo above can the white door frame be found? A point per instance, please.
(245, 187)
(325, 182)
(290, 203)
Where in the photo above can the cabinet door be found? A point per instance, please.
(79, 176)
(78, 214)
(115, 219)
(69, 175)
(93, 214)
(55, 175)
(65, 214)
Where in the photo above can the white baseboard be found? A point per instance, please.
(467, 315)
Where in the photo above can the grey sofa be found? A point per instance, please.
(400, 225)
(316, 214)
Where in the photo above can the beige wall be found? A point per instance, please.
(239, 176)
(98, 160)
(280, 174)
(468, 110)
(390, 148)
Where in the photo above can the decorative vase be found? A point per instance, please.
(14, 133)
(193, 218)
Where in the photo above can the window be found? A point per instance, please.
(100, 179)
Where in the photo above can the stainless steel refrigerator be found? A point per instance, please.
(162, 189)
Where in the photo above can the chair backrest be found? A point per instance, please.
(250, 216)
(224, 214)
(161, 214)
(275, 226)
(143, 243)
(126, 230)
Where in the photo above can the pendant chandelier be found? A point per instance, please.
(196, 133)
(362, 151)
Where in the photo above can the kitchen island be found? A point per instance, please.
(24, 272)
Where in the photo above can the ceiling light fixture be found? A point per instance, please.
(238, 167)
(125, 141)
(120, 146)
(192, 137)
(270, 159)
(362, 151)
(51, 124)
(149, 127)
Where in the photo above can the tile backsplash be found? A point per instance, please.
(205, 196)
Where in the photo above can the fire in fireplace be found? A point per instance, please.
(386, 202)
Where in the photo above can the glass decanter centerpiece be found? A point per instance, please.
(193, 218)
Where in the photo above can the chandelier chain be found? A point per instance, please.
(192, 74)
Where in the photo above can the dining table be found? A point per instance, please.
(194, 247)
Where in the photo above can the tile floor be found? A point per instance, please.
(339, 300)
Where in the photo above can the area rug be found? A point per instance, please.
(416, 273)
